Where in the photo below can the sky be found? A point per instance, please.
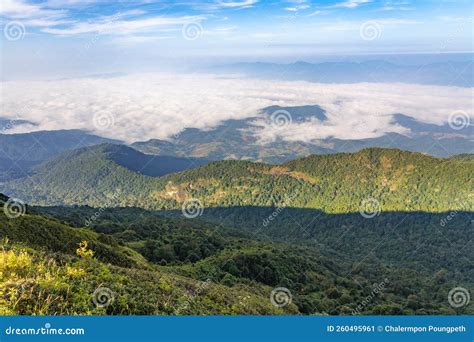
(126, 69)
(64, 38)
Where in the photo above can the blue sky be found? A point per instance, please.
(72, 36)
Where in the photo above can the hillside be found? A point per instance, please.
(41, 145)
(337, 183)
(327, 272)
(105, 174)
(20, 152)
(50, 268)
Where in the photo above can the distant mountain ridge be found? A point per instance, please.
(21, 151)
(41, 145)
(460, 73)
(236, 139)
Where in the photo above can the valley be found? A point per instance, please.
(219, 237)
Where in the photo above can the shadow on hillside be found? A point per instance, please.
(295, 223)
(438, 238)
(432, 241)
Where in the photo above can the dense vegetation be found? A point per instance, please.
(49, 268)
(330, 267)
(338, 183)
(301, 225)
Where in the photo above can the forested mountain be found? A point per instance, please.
(41, 145)
(50, 268)
(328, 228)
(159, 265)
(337, 183)
(145, 164)
(20, 152)
(106, 168)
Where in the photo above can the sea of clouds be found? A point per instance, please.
(139, 107)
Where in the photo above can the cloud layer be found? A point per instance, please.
(145, 106)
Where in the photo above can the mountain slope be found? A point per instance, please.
(49, 268)
(326, 267)
(106, 174)
(236, 139)
(41, 145)
(239, 139)
(19, 153)
(397, 180)
(45, 272)
(145, 164)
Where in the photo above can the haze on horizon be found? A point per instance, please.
(52, 39)
(153, 66)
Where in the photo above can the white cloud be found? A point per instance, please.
(236, 4)
(395, 6)
(115, 25)
(32, 14)
(146, 106)
(351, 3)
(48, 16)
(22, 9)
(297, 5)
(347, 25)
(220, 31)
(296, 8)
(70, 3)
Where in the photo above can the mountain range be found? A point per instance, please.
(20, 152)
(174, 235)
(237, 139)
(106, 175)
(458, 73)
